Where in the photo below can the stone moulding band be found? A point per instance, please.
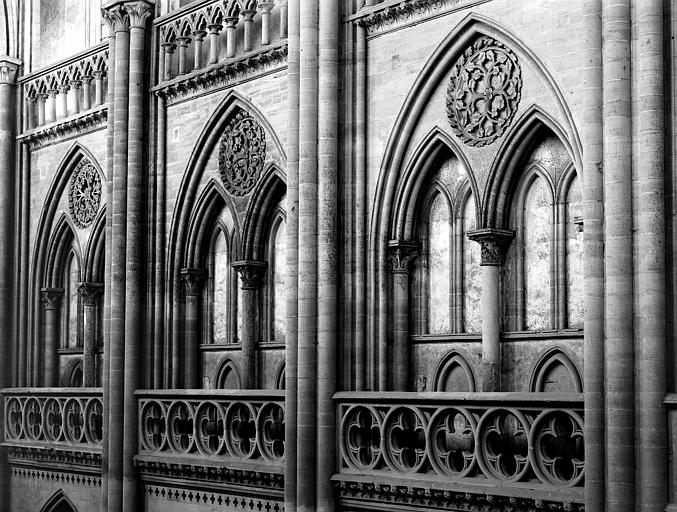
(76, 126)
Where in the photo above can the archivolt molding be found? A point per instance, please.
(396, 14)
(451, 359)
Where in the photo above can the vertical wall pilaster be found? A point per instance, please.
(402, 255)
(193, 279)
(251, 274)
(618, 311)
(650, 346)
(90, 294)
(493, 243)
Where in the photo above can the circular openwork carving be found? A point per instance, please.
(503, 452)
(451, 441)
(180, 422)
(362, 437)
(52, 419)
(241, 430)
(270, 428)
(558, 457)
(209, 428)
(74, 421)
(94, 421)
(14, 412)
(242, 153)
(154, 426)
(484, 92)
(404, 439)
(84, 197)
(32, 419)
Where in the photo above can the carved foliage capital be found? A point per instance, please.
(90, 293)
(493, 243)
(251, 273)
(116, 18)
(193, 278)
(51, 297)
(402, 254)
(138, 13)
(8, 69)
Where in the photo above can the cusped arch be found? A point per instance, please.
(454, 368)
(436, 146)
(58, 502)
(555, 371)
(507, 166)
(227, 375)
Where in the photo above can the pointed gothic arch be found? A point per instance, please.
(555, 368)
(58, 502)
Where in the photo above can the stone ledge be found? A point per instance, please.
(73, 126)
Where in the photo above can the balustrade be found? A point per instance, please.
(204, 33)
(67, 88)
(59, 417)
(224, 425)
(508, 439)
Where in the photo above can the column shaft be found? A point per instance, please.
(192, 279)
(650, 267)
(251, 273)
(491, 340)
(51, 299)
(307, 273)
(292, 254)
(619, 357)
(89, 295)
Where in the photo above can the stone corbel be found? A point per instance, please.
(401, 254)
(251, 273)
(493, 243)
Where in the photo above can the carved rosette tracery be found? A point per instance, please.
(493, 243)
(242, 153)
(484, 92)
(84, 195)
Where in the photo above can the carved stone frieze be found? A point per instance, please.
(395, 15)
(84, 194)
(493, 243)
(418, 497)
(225, 74)
(32, 455)
(57, 476)
(242, 153)
(76, 126)
(227, 500)
(484, 92)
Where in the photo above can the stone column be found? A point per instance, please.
(193, 279)
(251, 274)
(8, 113)
(402, 254)
(618, 264)
(50, 113)
(650, 346)
(248, 22)
(62, 103)
(42, 101)
(266, 6)
(73, 98)
(231, 24)
(214, 31)
(51, 300)
(90, 294)
(593, 258)
(292, 253)
(198, 38)
(183, 50)
(139, 12)
(98, 87)
(493, 243)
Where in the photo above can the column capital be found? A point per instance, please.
(121, 15)
(494, 243)
(8, 69)
(193, 278)
(401, 254)
(51, 297)
(266, 6)
(90, 293)
(251, 273)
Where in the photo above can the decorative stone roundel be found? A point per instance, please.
(484, 92)
(84, 196)
(242, 153)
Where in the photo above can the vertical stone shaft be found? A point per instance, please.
(307, 273)
(327, 307)
(89, 294)
(107, 279)
(251, 273)
(138, 13)
(51, 300)
(593, 260)
(158, 353)
(192, 279)
(360, 206)
(619, 357)
(292, 254)
(493, 243)
(650, 267)
(23, 266)
(8, 68)
(116, 374)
